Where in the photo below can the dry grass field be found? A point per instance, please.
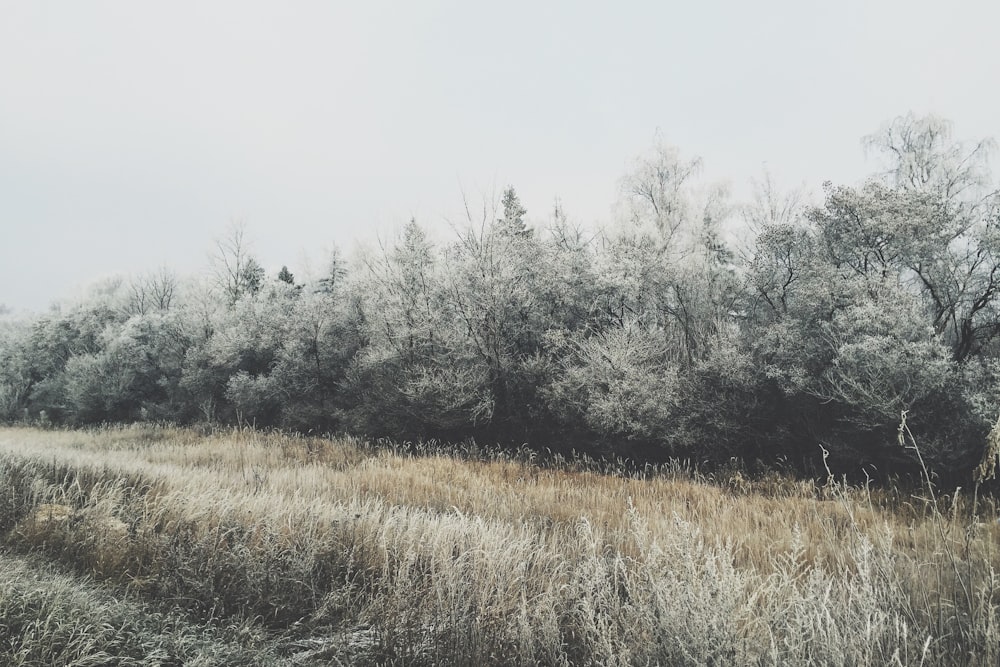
(153, 545)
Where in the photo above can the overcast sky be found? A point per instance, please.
(132, 133)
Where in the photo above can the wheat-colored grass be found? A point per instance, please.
(388, 557)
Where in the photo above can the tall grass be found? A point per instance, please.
(47, 618)
(381, 556)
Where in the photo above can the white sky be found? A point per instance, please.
(132, 133)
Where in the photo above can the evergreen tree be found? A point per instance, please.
(513, 214)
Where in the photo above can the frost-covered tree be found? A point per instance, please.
(920, 154)
(309, 369)
(152, 292)
(133, 375)
(513, 213)
(492, 282)
(244, 342)
(665, 287)
(656, 192)
(953, 249)
(618, 381)
(237, 271)
(16, 372)
(669, 258)
(876, 301)
(413, 376)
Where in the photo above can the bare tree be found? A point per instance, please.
(237, 271)
(656, 189)
(152, 292)
(770, 206)
(921, 155)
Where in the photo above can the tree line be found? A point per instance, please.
(803, 342)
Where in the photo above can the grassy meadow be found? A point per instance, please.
(152, 545)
